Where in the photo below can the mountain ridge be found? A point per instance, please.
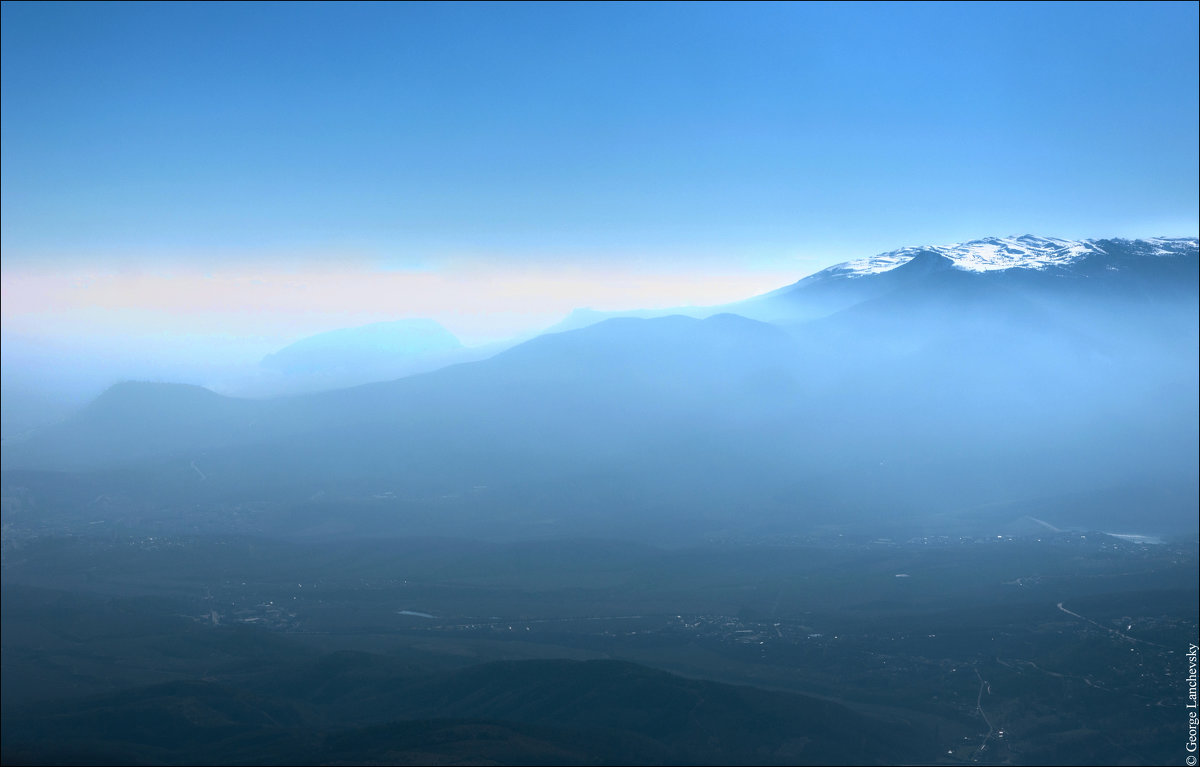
(925, 388)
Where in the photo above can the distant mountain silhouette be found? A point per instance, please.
(351, 356)
(381, 345)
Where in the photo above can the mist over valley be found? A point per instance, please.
(924, 399)
(864, 494)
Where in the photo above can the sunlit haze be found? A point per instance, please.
(479, 303)
(272, 170)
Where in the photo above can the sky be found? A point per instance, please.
(225, 178)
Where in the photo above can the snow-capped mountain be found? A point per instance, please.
(1027, 261)
(1024, 252)
(1045, 266)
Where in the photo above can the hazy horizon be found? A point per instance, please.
(228, 180)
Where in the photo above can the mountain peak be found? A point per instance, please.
(1025, 251)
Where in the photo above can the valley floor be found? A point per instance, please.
(1061, 648)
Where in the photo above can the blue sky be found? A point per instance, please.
(707, 140)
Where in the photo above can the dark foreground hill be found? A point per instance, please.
(265, 700)
(526, 712)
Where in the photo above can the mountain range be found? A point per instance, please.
(936, 388)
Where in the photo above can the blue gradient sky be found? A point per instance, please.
(736, 147)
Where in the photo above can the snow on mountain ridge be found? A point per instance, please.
(996, 253)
